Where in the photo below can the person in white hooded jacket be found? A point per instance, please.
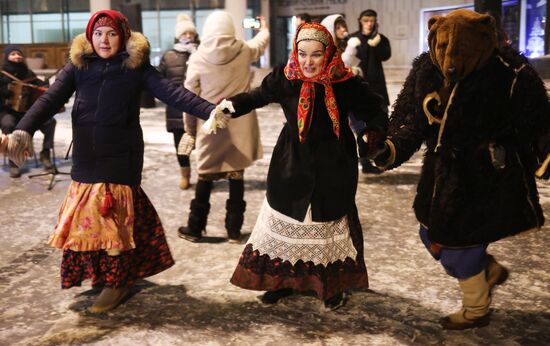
(338, 28)
(221, 67)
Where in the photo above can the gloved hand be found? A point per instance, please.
(375, 40)
(186, 145)
(371, 144)
(354, 42)
(219, 117)
(19, 146)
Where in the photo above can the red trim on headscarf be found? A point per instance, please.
(334, 71)
(120, 24)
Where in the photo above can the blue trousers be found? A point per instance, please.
(460, 263)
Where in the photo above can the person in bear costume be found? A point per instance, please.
(479, 108)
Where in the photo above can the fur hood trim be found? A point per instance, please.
(137, 47)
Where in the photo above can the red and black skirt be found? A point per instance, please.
(257, 271)
(150, 256)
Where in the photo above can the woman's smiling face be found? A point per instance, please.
(311, 57)
(106, 41)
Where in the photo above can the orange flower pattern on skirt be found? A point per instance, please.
(81, 227)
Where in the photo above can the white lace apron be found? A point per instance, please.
(280, 236)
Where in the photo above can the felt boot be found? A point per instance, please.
(196, 223)
(475, 305)
(185, 177)
(234, 219)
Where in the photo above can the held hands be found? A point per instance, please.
(186, 145)
(19, 146)
(219, 117)
(371, 144)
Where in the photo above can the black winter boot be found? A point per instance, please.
(198, 213)
(234, 219)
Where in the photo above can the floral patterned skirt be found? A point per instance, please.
(150, 256)
(257, 271)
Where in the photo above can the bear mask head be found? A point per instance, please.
(461, 42)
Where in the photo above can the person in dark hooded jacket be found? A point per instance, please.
(13, 68)
(372, 49)
(173, 65)
(108, 229)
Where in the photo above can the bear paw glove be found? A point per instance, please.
(373, 144)
(186, 145)
(19, 146)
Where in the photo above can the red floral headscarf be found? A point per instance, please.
(334, 71)
(113, 19)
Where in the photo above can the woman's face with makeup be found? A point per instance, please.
(311, 57)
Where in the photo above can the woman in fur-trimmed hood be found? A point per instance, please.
(108, 229)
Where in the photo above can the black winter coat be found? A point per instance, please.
(462, 198)
(371, 62)
(108, 140)
(321, 171)
(173, 66)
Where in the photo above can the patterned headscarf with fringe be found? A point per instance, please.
(334, 71)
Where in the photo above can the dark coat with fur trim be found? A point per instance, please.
(108, 140)
(462, 198)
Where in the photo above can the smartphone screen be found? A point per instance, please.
(251, 23)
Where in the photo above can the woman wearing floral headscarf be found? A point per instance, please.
(108, 229)
(308, 236)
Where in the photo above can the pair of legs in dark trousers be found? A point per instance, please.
(8, 123)
(200, 207)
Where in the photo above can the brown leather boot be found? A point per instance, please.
(185, 177)
(475, 305)
(108, 299)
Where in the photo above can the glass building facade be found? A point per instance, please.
(57, 21)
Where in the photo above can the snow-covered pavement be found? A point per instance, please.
(193, 303)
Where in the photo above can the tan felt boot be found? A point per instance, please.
(108, 299)
(496, 273)
(475, 305)
(185, 177)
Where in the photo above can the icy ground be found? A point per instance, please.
(193, 303)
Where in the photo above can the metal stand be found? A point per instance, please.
(54, 171)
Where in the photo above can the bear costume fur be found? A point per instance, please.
(479, 109)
